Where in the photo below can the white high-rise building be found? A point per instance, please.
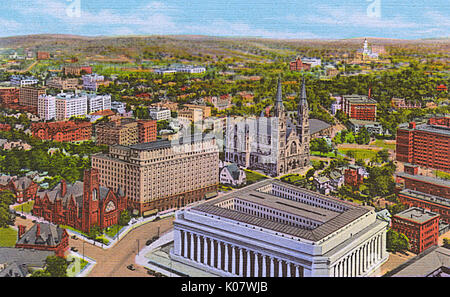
(91, 81)
(47, 107)
(69, 105)
(98, 102)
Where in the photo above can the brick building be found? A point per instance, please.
(5, 127)
(29, 96)
(424, 192)
(77, 70)
(9, 96)
(125, 132)
(43, 55)
(426, 144)
(359, 107)
(419, 225)
(298, 65)
(162, 174)
(353, 176)
(23, 188)
(62, 131)
(63, 83)
(81, 205)
(44, 237)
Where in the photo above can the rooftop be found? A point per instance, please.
(358, 99)
(418, 215)
(428, 179)
(426, 197)
(330, 220)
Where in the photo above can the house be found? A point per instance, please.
(18, 262)
(44, 237)
(24, 188)
(336, 180)
(322, 184)
(232, 175)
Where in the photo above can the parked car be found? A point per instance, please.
(149, 242)
(74, 237)
(155, 237)
(23, 217)
(131, 267)
(74, 249)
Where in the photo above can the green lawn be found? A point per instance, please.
(73, 229)
(319, 154)
(27, 206)
(359, 153)
(442, 174)
(8, 237)
(253, 177)
(113, 230)
(382, 143)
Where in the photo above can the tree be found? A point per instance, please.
(383, 155)
(40, 273)
(363, 136)
(94, 232)
(310, 173)
(396, 242)
(124, 218)
(56, 266)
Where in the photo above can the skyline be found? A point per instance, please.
(284, 19)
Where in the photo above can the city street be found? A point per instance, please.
(113, 262)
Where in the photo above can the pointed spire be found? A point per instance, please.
(303, 98)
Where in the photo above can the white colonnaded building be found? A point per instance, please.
(273, 229)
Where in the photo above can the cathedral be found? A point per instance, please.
(276, 145)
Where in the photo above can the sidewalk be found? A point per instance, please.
(85, 271)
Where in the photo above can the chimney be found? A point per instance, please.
(38, 229)
(63, 188)
(370, 93)
(412, 125)
(22, 230)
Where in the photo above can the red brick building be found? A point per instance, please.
(419, 225)
(77, 70)
(359, 107)
(426, 144)
(424, 192)
(43, 55)
(352, 177)
(62, 131)
(147, 131)
(298, 65)
(24, 188)
(82, 204)
(44, 237)
(5, 127)
(9, 96)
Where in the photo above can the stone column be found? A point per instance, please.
(256, 266)
(264, 266)
(297, 271)
(249, 265)
(241, 262)
(233, 260)
(212, 253)
(226, 257)
(192, 247)
(199, 248)
(272, 267)
(205, 251)
(219, 255)
(185, 253)
(280, 268)
(288, 269)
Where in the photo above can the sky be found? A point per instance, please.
(282, 19)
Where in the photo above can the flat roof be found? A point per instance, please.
(359, 99)
(426, 197)
(331, 220)
(427, 179)
(418, 215)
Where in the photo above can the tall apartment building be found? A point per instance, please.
(46, 107)
(193, 115)
(125, 132)
(9, 96)
(62, 83)
(162, 174)
(98, 102)
(29, 96)
(205, 109)
(359, 107)
(426, 144)
(419, 225)
(69, 105)
(159, 114)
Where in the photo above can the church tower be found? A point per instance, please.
(303, 116)
(91, 196)
(280, 118)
